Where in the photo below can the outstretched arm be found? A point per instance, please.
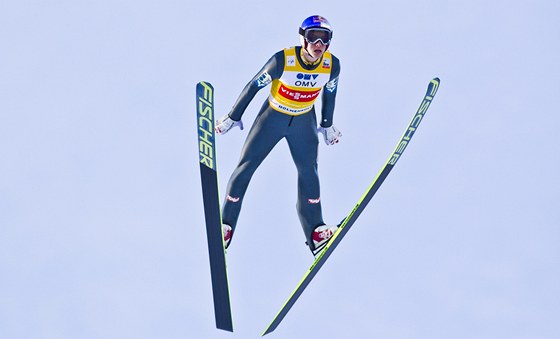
(329, 95)
(330, 133)
(270, 71)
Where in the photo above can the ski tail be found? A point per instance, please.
(359, 207)
(212, 213)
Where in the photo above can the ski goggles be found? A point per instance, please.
(313, 35)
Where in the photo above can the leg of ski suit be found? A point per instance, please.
(270, 127)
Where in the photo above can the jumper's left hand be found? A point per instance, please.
(331, 134)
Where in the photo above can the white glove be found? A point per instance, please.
(332, 134)
(225, 123)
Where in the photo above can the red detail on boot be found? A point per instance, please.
(320, 236)
(226, 231)
(227, 235)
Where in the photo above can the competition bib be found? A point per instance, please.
(297, 89)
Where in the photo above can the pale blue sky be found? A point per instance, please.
(101, 224)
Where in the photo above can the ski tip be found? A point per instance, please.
(433, 86)
(204, 84)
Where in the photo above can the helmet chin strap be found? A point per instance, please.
(305, 49)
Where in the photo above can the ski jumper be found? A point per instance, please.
(289, 113)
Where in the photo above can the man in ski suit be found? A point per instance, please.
(298, 75)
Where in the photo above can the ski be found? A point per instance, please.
(212, 213)
(360, 206)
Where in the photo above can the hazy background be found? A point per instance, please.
(101, 225)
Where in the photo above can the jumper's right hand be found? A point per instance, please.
(225, 123)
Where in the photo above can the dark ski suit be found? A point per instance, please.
(288, 113)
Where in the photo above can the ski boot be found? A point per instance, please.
(321, 236)
(227, 231)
